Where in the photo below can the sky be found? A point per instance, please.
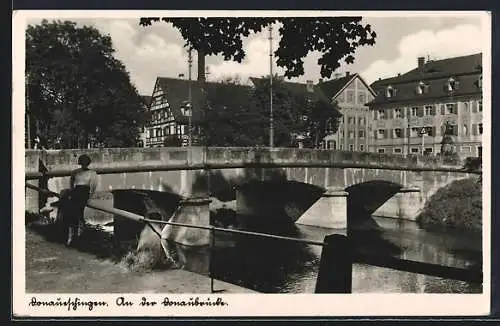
(157, 50)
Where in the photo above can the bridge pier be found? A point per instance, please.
(190, 245)
(330, 211)
(403, 205)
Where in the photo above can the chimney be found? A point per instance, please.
(421, 62)
(310, 86)
(347, 73)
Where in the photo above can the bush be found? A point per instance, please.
(457, 205)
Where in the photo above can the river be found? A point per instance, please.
(277, 266)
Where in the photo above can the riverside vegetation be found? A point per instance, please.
(457, 205)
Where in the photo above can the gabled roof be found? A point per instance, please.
(435, 74)
(177, 93)
(334, 87)
(300, 89)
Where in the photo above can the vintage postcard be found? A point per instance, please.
(251, 163)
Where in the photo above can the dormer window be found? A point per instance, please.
(390, 92)
(452, 84)
(422, 88)
(186, 109)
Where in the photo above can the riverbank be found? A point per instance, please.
(456, 206)
(53, 268)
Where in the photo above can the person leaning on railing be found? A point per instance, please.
(83, 184)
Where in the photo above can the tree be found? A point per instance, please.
(297, 113)
(320, 119)
(77, 90)
(287, 111)
(335, 38)
(239, 115)
(231, 118)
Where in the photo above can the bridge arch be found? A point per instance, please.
(279, 201)
(365, 198)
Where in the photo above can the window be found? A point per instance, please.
(414, 150)
(414, 132)
(398, 113)
(351, 134)
(427, 150)
(381, 150)
(351, 147)
(480, 126)
(465, 105)
(422, 88)
(341, 147)
(381, 114)
(381, 133)
(351, 120)
(465, 130)
(466, 149)
(390, 92)
(350, 96)
(398, 133)
(429, 131)
(361, 134)
(428, 110)
(414, 111)
(397, 150)
(452, 84)
(362, 98)
(362, 148)
(331, 144)
(172, 129)
(449, 108)
(361, 121)
(480, 106)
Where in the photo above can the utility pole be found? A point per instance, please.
(28, 127)
(190, 64)
(271, 118)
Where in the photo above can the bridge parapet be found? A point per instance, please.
(108, 159)
(335, 158)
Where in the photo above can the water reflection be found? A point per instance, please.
(276, 266)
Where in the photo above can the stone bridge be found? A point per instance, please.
(316, 187)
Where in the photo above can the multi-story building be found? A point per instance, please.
(351, 93)
(411, 111)
(171, 113)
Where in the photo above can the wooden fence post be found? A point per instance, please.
(335, 269)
